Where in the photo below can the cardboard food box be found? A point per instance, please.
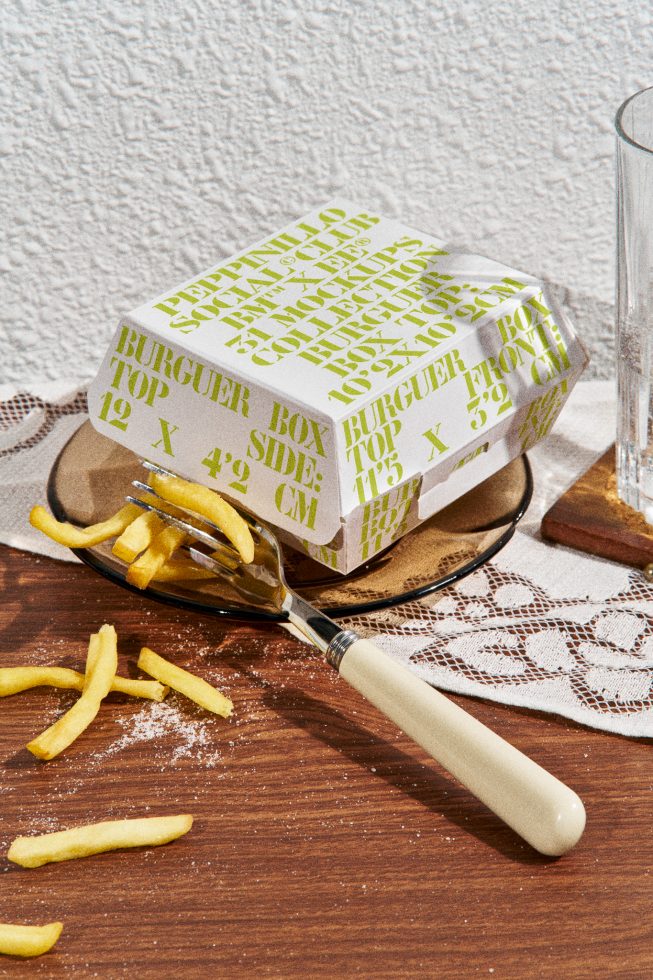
(345, 378)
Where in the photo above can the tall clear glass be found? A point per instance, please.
(634, 341)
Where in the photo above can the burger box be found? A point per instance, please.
(344, 379)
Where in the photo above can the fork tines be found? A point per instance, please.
(161, 470)
(223, 557)
(191, 529)
(197, 526)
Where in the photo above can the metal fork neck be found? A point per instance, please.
(316, 627)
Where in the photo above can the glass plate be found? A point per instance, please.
(93, 474)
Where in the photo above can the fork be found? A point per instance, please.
(534, 803)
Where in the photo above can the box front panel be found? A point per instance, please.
(465, 395)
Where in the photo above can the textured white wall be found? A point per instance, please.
(141, 142)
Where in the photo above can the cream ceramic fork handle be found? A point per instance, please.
(540, 808)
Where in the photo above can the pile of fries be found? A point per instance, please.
(145, 542)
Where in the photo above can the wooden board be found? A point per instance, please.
(590, 517)
(325, 843)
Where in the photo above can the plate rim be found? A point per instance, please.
(88, 557)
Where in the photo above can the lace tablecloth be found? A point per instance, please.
(539, 626)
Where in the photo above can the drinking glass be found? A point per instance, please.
(634, 299)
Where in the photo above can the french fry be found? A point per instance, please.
(138, 536)
(209, 504)
(190, 685)
(82, 537)
(28, 940)
(177, 569)
(101, 664)
(164, 545)
(182, 570)
(13, 680)
(109, 835)
(94, 649)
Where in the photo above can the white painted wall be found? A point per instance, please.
(142, 141)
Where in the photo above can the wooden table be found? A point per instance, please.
(325, 843)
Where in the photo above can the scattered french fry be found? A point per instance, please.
(28, 940)
(109, 835)
(164, 545)
(181, 680)
(82, 537)
(13, 680)
(101, 664)
(138, 536)
(209, 504)
(153, 691)
(95, 644)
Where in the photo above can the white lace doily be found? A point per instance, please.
(557, 633)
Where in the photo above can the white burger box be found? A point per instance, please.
(344, 379)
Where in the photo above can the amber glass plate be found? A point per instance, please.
(93, 474)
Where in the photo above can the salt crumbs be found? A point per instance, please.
(161, 720)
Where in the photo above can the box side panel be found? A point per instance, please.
(208, 425)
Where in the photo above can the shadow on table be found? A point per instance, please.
(422, 782)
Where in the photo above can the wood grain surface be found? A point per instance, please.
(324, 843)
(590, 517)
